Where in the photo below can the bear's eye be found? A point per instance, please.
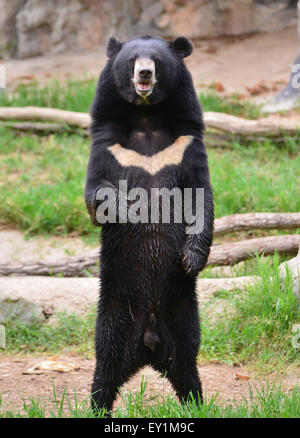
(157, 61)
(132, 60)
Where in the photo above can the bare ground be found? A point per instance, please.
(236, 63)
(16, 247)
(217, 379)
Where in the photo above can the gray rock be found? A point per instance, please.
(78, 295)
(293, 266)
(54, 294)
(2, 337)
(7, 26)
(38, 27)
(151, 12)
(289, 97)
(43, 28)
(19, 310)
(162, 21)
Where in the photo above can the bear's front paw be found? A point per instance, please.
(91, 207)
(105, 192)
(106, 203)
(193, 260)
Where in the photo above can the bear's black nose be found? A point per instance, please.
(145, 73)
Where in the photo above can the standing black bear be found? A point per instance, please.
(147, 130)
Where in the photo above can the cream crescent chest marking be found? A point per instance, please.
(171, 155)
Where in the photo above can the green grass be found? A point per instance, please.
(69, 332)
(42, 181)
(255, 178)
(72, 94)
(255, 326)
(269, 401)
(246, 268)
(212, 101)
(77, 94)
(42, 177)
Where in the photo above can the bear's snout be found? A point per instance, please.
(145, 73)
(144, 76)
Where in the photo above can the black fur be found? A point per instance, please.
(147, 312)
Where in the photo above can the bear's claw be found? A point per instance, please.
(193, 260)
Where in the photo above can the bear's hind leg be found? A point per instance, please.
(185, 381)
(184, 329)
(107, 381)
(115, 358)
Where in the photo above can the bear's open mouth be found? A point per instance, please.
(143, 87)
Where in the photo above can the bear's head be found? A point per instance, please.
(147, 69)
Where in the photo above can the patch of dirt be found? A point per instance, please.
(236, 64)
(15, 247)
(216, 379)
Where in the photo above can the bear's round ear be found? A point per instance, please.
(182, 46)
(113, 47)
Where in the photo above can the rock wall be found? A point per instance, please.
(34, 27)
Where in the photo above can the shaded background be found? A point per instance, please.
(37, 27)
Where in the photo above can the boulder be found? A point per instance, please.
(78, 295)
(37, 27)
(53, 294)
(8, 14)
(2, 336)
(19, 310)
(293, 266)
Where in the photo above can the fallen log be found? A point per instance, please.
(256, 221)
(220, 255)
(267, 126)
(69, 267)
(231, 253)
(47, 114)
(212, 140)
(37, 127)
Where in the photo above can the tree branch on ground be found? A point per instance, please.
(272, 126)
(256, 221)
(220, 255)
